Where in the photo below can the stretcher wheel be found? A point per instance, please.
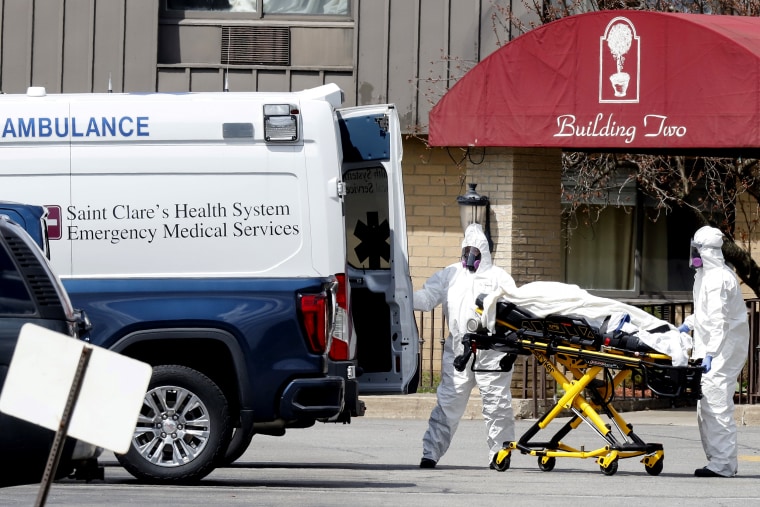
(611, 469)
(656, 468)
(501, 466)
(548, 465)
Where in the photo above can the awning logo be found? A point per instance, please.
(619, 59)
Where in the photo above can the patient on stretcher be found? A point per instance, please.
(629, 327)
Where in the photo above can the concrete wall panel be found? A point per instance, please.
(321, 47)
(173, 80)
(78, 28)
(206, 80)
(47, 59)
(17, 45)
(300, 80)
(372, 52)
(140, 45)
(273, 81)
(403, 60)
(108, 55)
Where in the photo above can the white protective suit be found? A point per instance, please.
(456, 289)
(721, 331)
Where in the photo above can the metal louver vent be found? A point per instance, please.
(255, 45)
(39, 283)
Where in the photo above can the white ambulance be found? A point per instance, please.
(250, 246)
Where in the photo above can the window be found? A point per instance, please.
(14, 296)
(267, 7)
(620, 250)
(367, 228)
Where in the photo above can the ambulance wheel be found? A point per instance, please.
(183, 428)
(656, 468)
(500, 466)
(548, 465)
(611, 469)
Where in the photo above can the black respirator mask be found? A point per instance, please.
(470, 258)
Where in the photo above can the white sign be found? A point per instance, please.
(40, 377)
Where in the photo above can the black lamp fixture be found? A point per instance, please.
(475, 208)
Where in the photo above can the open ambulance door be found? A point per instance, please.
(386, 339)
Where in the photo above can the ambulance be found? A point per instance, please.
(250, 246)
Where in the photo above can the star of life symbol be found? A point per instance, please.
(619, 62)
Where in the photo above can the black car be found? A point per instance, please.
(31, 293)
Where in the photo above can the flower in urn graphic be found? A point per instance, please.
(619, 42)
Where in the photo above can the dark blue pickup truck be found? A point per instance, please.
(31, 293)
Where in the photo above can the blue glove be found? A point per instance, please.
(706, 363)
(684, 328)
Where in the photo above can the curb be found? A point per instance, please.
(654, 411)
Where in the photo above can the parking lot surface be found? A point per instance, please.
(374, 461)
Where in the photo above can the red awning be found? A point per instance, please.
(613, 80)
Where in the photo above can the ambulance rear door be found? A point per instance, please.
(386, 339)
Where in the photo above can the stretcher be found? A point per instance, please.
(595, 362)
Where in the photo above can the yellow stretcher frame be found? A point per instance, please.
(583, 367)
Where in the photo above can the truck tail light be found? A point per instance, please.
(314, 312)
(340, 348)
(327, 319)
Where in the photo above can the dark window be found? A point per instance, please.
(14, 296)
(367, 231)
(204, 5)
(627, 247)
(278, 7)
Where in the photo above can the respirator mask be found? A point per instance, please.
(695, 260)
(470, 258)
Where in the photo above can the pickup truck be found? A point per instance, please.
(31, 293)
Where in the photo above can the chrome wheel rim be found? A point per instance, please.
(173, 427)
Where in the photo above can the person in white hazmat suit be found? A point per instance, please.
(721, 338)
(456, 287)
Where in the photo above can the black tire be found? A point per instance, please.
(656, 469)
(549, 465)
(503, 465)
(239, 443)
(183, 428)
(611, 469)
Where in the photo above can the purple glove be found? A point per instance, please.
(706, 363)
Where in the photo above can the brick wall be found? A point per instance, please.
(523, 186)
(432, 183)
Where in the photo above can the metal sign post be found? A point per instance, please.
(63, 428)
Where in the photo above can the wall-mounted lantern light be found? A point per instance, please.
(475, 208)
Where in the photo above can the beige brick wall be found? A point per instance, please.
(524, 188)
(525, 207)
(432, 182)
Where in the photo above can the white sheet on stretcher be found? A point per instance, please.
(545, 298)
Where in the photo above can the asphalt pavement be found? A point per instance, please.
(375, 462)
